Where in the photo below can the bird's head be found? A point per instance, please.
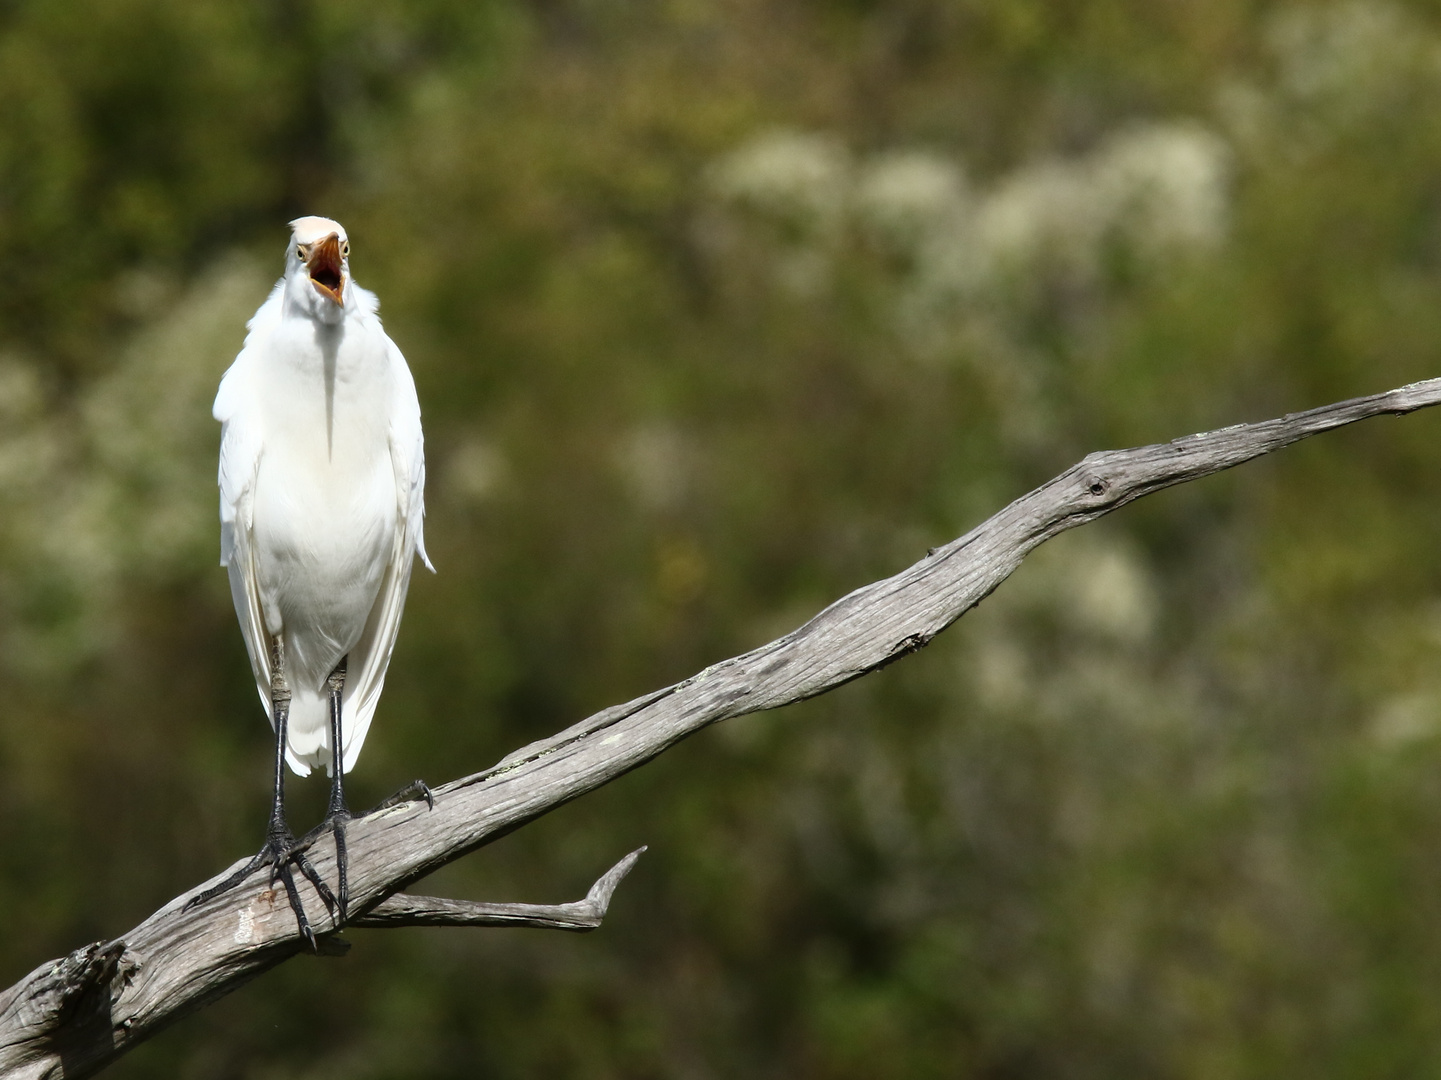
(317, 264)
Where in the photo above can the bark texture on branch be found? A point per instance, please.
(72, 1016)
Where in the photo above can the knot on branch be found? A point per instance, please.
(907, 645)
(1096, 481)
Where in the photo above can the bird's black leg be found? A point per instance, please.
(338, 814)
(281, 848)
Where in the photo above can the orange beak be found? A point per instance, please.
(324, 267)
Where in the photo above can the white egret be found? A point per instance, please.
(322, 477)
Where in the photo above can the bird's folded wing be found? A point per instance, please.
(370, 658)
(240, 447)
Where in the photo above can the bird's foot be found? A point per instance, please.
(339, 816)
(280, 852)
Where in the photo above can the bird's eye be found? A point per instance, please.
(302, 252)
(345, 249)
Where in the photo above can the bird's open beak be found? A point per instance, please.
(324, 267)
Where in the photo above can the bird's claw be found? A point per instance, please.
(413, 790)
(280, 851)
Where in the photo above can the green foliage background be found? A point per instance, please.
(717, 310)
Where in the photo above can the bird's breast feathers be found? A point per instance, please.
(319, 403)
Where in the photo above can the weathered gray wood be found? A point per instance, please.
(72, 1016)
(402, 909)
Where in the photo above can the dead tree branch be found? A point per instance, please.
(401, 909)
(72, 1016)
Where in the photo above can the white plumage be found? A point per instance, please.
(322, 476)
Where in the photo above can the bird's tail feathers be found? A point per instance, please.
(307, 736)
